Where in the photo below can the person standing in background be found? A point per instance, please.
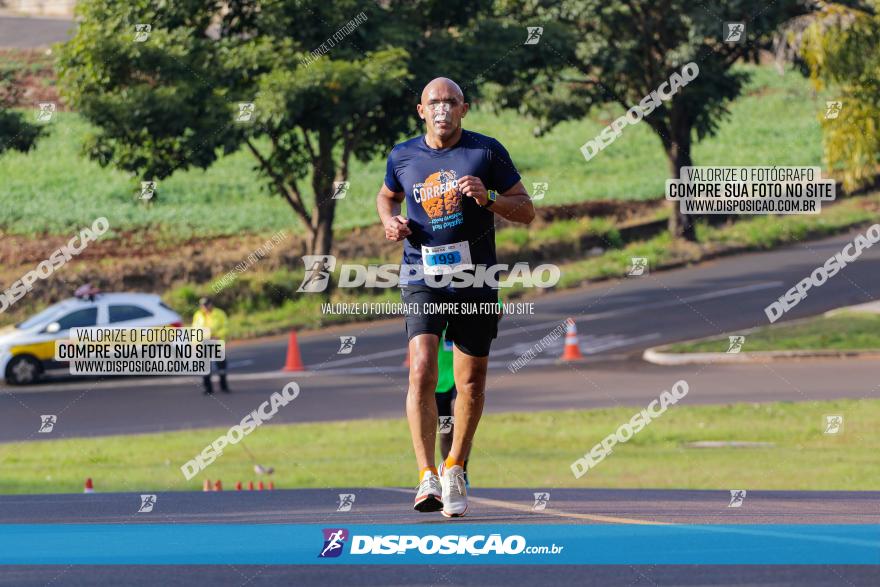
(215, 320)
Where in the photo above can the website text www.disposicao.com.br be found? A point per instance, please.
(335, 540)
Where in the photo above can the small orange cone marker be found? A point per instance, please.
(572, 350)
(294, 361)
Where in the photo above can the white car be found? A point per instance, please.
(27, 349)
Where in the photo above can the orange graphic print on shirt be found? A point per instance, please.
(439, 194)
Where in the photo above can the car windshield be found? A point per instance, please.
(41, 317)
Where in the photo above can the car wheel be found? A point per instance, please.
(22, 370)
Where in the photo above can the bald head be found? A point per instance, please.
(442, 86)
(442, 107)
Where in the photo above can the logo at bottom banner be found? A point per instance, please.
(334, 540)
(460, 544)
(475, 545)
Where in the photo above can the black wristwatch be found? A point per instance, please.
(492, 195)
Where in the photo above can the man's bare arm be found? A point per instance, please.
(514, 204)
(388, 206)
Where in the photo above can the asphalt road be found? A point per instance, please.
(439, 575)
(491, 506)
(106, 409)
(393, 505)
(616, 320)
(32, 33)
(620, 316)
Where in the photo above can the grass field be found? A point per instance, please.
(512, 450)
(841, 332)
(55, 189)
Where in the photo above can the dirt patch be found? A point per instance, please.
(36, 79)
(369, 241)
(133, 262)
(620, 211)
(146, 261)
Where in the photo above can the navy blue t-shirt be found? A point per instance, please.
(456, 230)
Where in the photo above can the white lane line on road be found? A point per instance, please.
(623, 342)
(608, 342)
(149, 382)
(278, 375)
(361, 358)
(270, 375)
(613, 342)
(237, 364)
(637, 307)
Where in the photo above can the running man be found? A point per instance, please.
(454, 182)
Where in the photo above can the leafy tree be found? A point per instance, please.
(15, 131)
(840, 46)
(171, 101)
(627, 48)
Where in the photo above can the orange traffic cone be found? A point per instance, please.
(206, 486)
(294, 361)
(250, 485)
(238, 486)
(218, 486)
(271, 485)
(260, 486)
(89, 488)
(572, 351)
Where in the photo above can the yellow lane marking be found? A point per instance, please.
(560, 514)
(509, 505)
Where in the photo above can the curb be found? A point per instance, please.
(652, 355)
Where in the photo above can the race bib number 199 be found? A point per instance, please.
(446, 258)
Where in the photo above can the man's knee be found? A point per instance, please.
(473, 386)
(470, 377)
(423, 372)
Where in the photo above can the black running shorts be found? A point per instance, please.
(471, 332)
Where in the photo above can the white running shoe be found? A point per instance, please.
(454, 485)
(428, 497)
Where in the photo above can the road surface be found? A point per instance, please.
(616, 320)
(21, 32)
